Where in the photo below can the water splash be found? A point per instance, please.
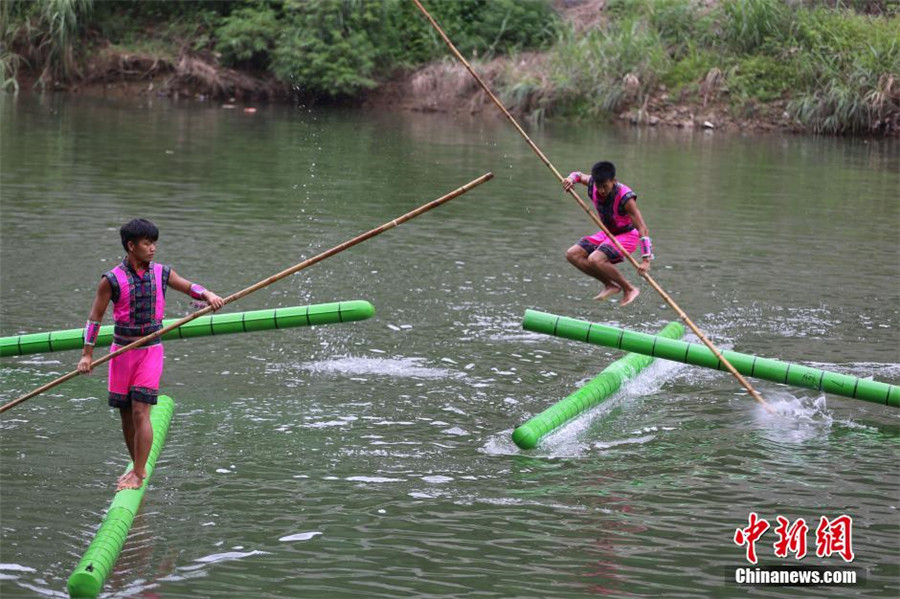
(303, 536)
(797, 419)
(391, 367)
(569, 440)
(222, 557)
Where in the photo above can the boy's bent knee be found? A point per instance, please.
(576, 254)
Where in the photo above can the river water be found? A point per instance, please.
(373, 459)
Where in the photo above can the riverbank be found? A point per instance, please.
(734, 64)
(715, 64)
(448, 88)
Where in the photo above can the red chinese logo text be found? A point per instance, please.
(791, 538)
(748, 536)
(832, 536)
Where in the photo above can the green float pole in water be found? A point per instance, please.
(217, 324)
(697, 355)
(529, 434)
(101, 556)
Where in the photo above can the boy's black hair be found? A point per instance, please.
(603, 172)
(137, 229)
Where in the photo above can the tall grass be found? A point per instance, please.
(850, 65)
(752, 25)
(41, 34)
(9, 61)
(835, 70)
(63, 17)
(606, 68)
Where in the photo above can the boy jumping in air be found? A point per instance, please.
(596, 254)
(137, 289)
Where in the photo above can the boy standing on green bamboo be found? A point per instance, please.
(137, 289)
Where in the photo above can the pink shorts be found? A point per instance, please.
(135, 375)
(600, 242)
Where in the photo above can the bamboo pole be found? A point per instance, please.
(257, 286)
(594, 217)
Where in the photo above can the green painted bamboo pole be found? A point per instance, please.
(598, 389)
(99, 559)
(697, 355)
(216, 324)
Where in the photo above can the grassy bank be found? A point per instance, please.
(318, 49)
(829, 66)
(832, 70)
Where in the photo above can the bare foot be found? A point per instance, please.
(607, 291)
(630, 296)
(130, 481)
(122, 477)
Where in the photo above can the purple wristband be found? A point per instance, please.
(646, 248)
(197, 291)
(91, 331)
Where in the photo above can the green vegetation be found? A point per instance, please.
(832, 65)
(340, 47)
(41, 35)
(322, 48)
(834, 70)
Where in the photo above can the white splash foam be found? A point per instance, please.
(456, 431)
(16, 568)
(301, 536)
(628, 441)
(222, 557)
(326, 424)
(420, 495)
(437, 479)
(796, 419)
(500, 444)
(392, 367)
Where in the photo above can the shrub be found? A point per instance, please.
(247, 36)
(340, 47)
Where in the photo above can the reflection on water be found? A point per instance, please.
(374, 458)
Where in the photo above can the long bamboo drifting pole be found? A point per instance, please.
(597, 221)
(786, 373)
(216, 324)
(264, 283)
